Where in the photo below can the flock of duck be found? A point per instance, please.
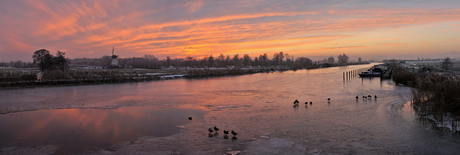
(367, 97)
(215, 132)
(296, 102)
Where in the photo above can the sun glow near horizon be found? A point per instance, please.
(202, 28)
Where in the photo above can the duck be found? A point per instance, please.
(328, 99)
(369, 96)
(296, 101)
(306, 102)
(216, 129)
(357, 97)
(225, 134)
(375, 96)
(234, 133)
(311, 103)
(189, 118)
(211, 134)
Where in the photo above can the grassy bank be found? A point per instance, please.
(436, 97)
(21, 78)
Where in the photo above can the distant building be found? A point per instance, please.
(114, 58)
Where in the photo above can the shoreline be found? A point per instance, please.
(117, 76)
(434, 97)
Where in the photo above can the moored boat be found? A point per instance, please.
(369, 74)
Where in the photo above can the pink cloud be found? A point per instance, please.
(168, 27)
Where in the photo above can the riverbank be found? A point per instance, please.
(30, 78)
(436, 97)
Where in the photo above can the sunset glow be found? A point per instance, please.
(368, 29)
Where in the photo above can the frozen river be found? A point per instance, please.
(142, 118)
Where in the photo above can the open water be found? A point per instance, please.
(82, 118)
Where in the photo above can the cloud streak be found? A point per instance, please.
(200, 28)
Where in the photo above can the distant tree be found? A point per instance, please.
(288, 60)
(168, 61)
(330, 60)
(189, 61)
(303, 61)
(221, 58)
(48, 62)
(246, 59)
(256, 61)
(42, 57)
(211, 61)
(359, 59)
(343, 59)
(276, 58)
(227, 60)
(263, 59)
(60, 62)
(236, 59)
(281, 56)
(447, 64)
(106, 61)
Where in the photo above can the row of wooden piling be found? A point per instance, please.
(347, 75)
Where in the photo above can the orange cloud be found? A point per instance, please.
(396, 44)
(198, 28)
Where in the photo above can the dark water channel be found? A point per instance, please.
(91, 117)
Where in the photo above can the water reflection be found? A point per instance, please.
(368, 126)
(79, 130)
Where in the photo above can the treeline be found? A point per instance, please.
(48, 62)
(150, 61)
(17, 64)
(437, 95)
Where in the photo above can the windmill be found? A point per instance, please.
(114, 58)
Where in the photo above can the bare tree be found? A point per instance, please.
(447, 64)
(236, 59)
(168, 61)
(211, 61)
(330, 60)
(281, 55)
(303, 61)
(343, 59)
(263, 59)
(276, 58)
(221, 58)
(247, 59)
(42, 57)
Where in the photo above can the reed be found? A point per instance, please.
(437, 96)
(402, 76)
(10, 78)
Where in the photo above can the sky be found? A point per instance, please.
(371, 29)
